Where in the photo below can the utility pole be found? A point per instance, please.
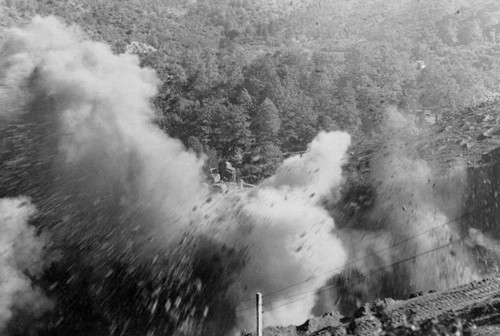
(259, 314)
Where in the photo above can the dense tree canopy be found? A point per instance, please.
(239, 76)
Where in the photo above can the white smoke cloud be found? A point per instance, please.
(106, 135)
(316, 172)
(113, 187)
(21, 256)
(291, 239)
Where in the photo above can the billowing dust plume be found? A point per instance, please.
(293, 245)
(21, 261)
(144, 246)
(406, 219)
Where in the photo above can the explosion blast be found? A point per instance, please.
(106, 226)
(143, 247)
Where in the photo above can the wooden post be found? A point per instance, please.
(259, 314)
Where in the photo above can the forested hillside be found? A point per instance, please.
(250, 80)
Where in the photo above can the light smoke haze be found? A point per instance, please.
(414, 210)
